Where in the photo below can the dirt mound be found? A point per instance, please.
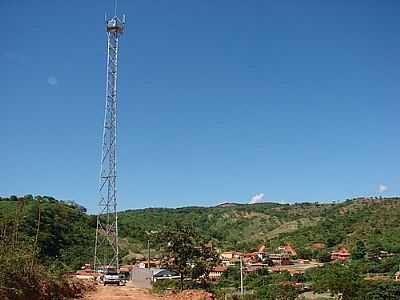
(46, 289)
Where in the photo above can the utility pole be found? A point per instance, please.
(148, 253)
(241, 276)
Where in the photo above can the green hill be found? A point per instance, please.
(373, 221)
(240, 227)
(66, 233)
(244, 227)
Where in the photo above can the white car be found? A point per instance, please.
(112, 277)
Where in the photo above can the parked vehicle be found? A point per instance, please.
(165, 274)
(112, 277)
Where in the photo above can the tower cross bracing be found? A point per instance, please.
(106, 245)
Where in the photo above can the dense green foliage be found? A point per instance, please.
(258, 285)
(351, 284)
(63, 232)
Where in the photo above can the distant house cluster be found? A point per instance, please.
(282, 259)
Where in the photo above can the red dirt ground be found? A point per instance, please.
(129, 292)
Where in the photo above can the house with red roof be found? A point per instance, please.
(340, 255)
(216, 272)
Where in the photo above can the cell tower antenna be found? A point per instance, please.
(106, 244)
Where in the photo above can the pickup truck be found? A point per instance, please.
(112, 277)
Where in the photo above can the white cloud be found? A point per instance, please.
(382, 188)
(52, 80)
(257, 198)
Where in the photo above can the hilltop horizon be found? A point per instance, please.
(224, 204)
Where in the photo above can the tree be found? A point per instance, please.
(337, 279)
(374, 248)
(231, 278)
(186, 253)
(28, 197)
(359, 250)
(204, 260)
(280, 292)
(323, 256)
(304, 253)
(333, 240)
(382, 290)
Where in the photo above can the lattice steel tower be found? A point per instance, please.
(106, 247)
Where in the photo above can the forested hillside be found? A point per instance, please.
(244, 227)
(375, 222)
(62, 232)
(240, 227)
(65, 235)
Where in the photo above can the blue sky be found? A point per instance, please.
(218, 100)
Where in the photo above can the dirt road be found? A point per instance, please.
(128, 292)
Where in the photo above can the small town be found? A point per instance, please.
(284, 260)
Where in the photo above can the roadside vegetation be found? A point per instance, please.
(257, 285)
(40, 240)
